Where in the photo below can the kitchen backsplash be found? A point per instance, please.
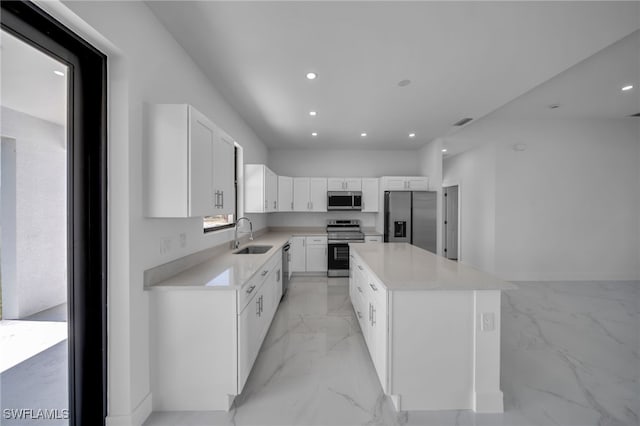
(318, 219)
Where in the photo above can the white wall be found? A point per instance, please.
(146, 65)
(431, 165)
(34, 214)
(336, 162)
(474, 173)
(566, 208)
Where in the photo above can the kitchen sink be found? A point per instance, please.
(253, 250)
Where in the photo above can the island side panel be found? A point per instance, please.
(194, 349)
(432, 345)
(487, 396)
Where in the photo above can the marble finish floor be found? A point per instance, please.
(570, 356)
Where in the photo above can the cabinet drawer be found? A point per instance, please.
(251, 287)
(373, 238)
(319, 240)
(249, 290)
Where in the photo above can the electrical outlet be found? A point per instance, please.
(165, 245)
(183, 240)
(488, 321)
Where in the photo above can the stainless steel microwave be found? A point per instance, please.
(344, 200)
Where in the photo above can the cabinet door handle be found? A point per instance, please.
(264, 272)
(369, 312)
(265, 204)
(274, 205)
(373, 316)
(261, 303)
(359, 289)
(258, 306)
(250, 289)
(278, 275)
(373, 287)
(360, 267)
(359, 314)
(222, 199)
(292, 205)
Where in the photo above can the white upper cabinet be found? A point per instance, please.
(190, 164)
(344, 184)
(405, 183)
(370, 194)
(224, 174)
(285, 194)
(260, 189)
(309, 194)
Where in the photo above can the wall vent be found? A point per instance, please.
(462, 122)
(637, 114)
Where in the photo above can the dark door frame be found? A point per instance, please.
(87, 202)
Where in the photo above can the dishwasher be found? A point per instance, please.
(286, 258)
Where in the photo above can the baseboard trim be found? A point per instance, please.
(137, 418)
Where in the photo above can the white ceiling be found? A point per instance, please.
(591, 89)
(464, 59)
(28, 83)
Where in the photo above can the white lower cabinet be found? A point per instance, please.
(205, 342)
(316, 254)
(308, 254)
(298, 251)
(369, 299)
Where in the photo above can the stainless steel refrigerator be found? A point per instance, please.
(410, 217)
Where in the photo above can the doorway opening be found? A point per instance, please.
(53, 235)
(451, 222)
(33, 226)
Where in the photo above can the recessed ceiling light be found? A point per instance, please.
(60, 73)
(363, 134)
(412, 135)
(313, 113)
(444, 149)
(404, 83)
(625, 88)
(314, 134)
(312, 75)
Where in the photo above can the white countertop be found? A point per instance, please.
(228, 271)
(402, 266)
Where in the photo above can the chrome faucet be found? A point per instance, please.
(236, 243)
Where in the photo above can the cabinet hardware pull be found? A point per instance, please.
(373, 316)
(250, 289)
(292, 205)
(264, 273)
(274, 205)
(278, 275)
(369, 312)
(261, 304)
(222, 199)
(359, 314)
(359, 289)
(258, 306)
(373, 287)
(360, 267)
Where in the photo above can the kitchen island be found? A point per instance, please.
(432, 327)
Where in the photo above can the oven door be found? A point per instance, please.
(338, 261)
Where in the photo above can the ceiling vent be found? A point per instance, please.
(462, 122)
(635, 115)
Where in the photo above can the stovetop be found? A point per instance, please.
(344, 230)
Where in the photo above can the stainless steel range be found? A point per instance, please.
(341, 232)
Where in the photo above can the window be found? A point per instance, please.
(224, 221)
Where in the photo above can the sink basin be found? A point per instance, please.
(253, 250)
